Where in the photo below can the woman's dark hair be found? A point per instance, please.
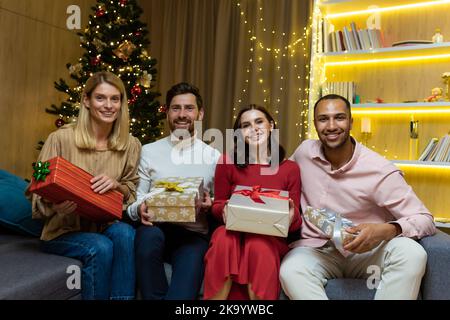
(237, 154)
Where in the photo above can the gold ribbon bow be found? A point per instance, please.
(169, 186)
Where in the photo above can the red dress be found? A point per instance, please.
(247, 257)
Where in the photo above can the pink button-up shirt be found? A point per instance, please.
(368, 189)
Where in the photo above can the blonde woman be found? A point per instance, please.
(100, 143)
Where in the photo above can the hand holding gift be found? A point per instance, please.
(258, 210)
(69, 188)
(206, 203)
(370, 235)
(146, 218)
(102, 184)
(175, 199)
(333, 225)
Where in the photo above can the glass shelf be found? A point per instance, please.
(387, 55)
(345, 8)
(422, 164)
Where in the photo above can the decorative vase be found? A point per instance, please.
(447, 88)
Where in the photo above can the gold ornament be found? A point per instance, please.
(124, 50)
(144, 54)
(145, 79)
(99, 44)
(446, 78)
(122, 21)
(75, 69)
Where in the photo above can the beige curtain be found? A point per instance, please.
(236, 52)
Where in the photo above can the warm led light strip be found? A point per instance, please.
(340, 63)
(399, 111)
(422, 166)
(400, 7)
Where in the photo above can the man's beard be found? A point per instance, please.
(183, 132)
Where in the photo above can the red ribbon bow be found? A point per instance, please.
(256, 193)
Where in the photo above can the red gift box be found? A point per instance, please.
(69, 182)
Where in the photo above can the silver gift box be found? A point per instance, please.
(269, 218)
(332, 224)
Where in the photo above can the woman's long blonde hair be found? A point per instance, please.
(119, 137)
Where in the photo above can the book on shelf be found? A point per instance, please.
(350, 38)
(410, 43)
(344, 89)
(428, 149)
(437, 150)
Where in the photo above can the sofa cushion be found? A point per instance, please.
(28, 273)
(348, 289)
(15, 209)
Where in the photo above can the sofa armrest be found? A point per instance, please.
(436, 282)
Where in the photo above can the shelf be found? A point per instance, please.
(422, 164)
(401, 108)
(388, 55)
(442, 225)
(394, 74)
(345, 8)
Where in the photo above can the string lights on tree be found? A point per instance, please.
(115, 41)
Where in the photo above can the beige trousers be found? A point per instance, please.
(394, 269)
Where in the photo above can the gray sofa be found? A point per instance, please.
(435, 283)
(26, 273)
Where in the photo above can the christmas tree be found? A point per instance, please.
(115, 41)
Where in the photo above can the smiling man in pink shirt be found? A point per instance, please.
(340, 174)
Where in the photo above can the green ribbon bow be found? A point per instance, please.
(41, 170)
(170, 186)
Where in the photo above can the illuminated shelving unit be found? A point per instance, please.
(401, 77)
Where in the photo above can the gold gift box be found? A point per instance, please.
(175, 199)
(271, 217)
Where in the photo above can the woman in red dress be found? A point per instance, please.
(240, 265)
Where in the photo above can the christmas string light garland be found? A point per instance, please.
(259, 53)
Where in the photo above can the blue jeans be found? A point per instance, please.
(108, 260)
(182, 248)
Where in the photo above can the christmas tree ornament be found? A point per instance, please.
(132, 101)
(136, 90)
(100, 13)
(95, 61)
(143, 55)
(99, 44)
(124, 50)
(73, 119)
(59, 123)
(145, 80)
(75, 70)
(114, 40)
(122, 21)
(162, 109)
